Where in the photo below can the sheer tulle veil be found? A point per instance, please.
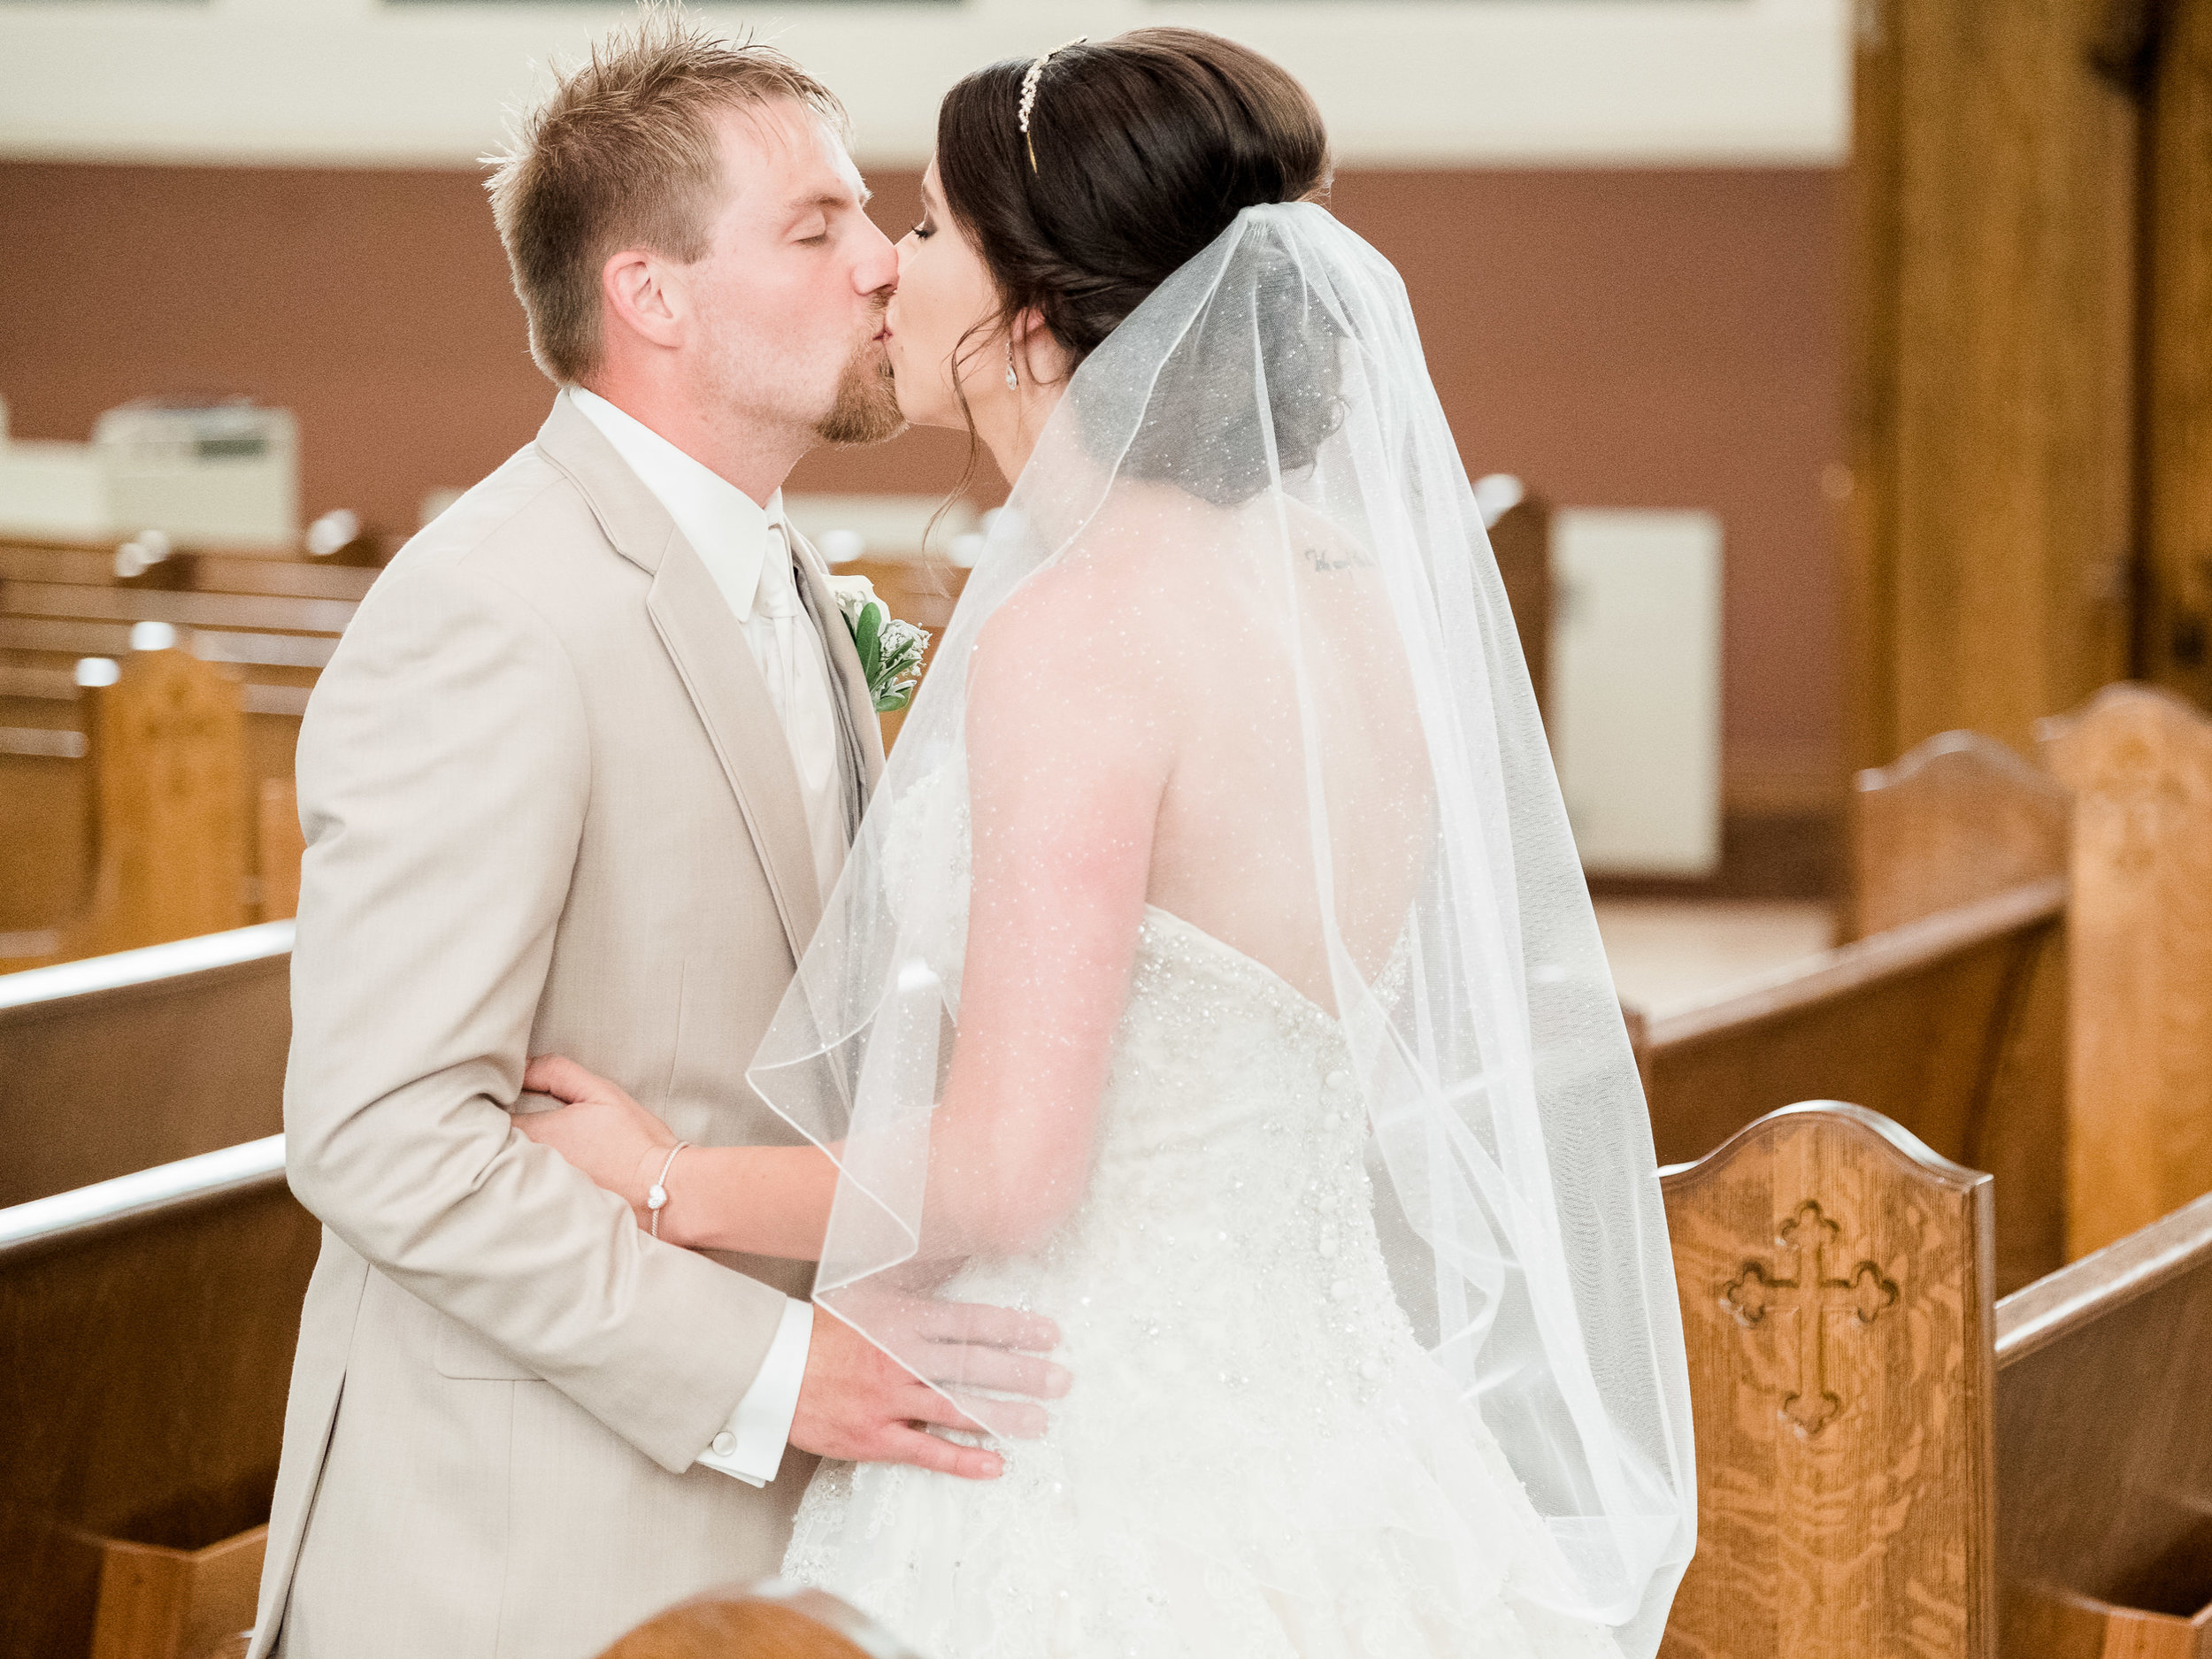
(1268, 410)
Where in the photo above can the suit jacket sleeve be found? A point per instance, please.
(444, 779)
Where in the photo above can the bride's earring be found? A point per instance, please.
(1013, 383)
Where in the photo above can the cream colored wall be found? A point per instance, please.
(1422, 82)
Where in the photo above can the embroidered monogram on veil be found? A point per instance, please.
(1257, 1450)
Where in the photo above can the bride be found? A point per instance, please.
(1213, 973)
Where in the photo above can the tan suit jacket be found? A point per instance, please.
(548, 808)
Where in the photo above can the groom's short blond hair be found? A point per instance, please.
(622, 153)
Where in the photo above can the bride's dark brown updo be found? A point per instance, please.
(1147, 145)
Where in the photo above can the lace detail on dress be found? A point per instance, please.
(1256, 1458)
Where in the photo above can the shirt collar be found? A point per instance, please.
(728, 530)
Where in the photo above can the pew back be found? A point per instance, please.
(117, 1063)
(769, 1621)
(1961, 818)
(2139, 1075)
(167, 822)
(2104, 1450)
(146, 1335)
(1949, 1026)
(1836, 1286)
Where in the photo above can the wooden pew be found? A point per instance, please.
(1520, 539)
(773, 1620)
(1936, 1024)
(116, 1064)
(1888, 1464)
(1836, 1283)
(2104, 1450)
(2138, 763)
(146, 1333)
(167, 837)
(275, 621)
(1961, 818)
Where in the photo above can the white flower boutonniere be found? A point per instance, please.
(890, 650)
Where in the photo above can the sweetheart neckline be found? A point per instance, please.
(1246, 960)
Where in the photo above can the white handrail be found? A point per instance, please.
(227, 949)
(208, 1173)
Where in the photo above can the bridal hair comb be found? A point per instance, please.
(1029, 93)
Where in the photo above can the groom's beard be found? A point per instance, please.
(867, 406)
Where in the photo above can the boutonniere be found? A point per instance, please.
(890, 650)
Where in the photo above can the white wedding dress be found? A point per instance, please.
(1256, 1458)
(1366, 1294)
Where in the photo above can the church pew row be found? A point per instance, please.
(1958, 818)
(1889, 1464)
(167, 830)
(146, 1333)
(119, 1062)
(2122, 806)
(2104, 1450)
(79, 565)
(1951, 1025)
(1890, 1460)
(2138, 763)
(773, 1620)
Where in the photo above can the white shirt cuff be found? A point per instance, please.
(751, 1445)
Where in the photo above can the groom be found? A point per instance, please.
(579, 778)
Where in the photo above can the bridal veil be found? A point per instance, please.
(1267, 415)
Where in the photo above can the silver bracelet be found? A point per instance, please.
(657, 1194)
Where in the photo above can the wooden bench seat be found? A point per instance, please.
(1889, 1464)
(765, 1621)
(2104, 1450)
(1943, 1025)
(116, 1064)
(146, 1334)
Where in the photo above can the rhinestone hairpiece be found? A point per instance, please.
(1029, 93)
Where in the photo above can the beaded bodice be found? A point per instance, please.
(1227, 1230)
(1252, 1423)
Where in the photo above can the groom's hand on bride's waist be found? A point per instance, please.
(859, 1404)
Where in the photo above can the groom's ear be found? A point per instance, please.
(639, 299)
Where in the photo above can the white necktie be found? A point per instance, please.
(798, 684)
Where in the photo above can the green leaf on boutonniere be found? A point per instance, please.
(867, 639)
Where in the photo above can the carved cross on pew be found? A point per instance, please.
(1808, 1296)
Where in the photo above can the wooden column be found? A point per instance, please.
(1994, 388)
(2176, 631)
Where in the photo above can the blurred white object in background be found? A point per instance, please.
(153, 636)
(221, 475)
(142, 553)
(843, 547)
(336, 530)
(1496, 495)
(1635, 687)
(846, 527)
(51, 489)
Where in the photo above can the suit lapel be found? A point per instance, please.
(717, 669)
(859, 707)
(709, 649)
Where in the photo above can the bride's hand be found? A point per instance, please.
(599, 1129)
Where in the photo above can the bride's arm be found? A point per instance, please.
(760, 1200)
(1067, 761)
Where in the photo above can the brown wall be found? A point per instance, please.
(1622, 338)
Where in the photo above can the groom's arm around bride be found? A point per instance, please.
(576, 781)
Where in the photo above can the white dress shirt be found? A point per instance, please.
(747, 549)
